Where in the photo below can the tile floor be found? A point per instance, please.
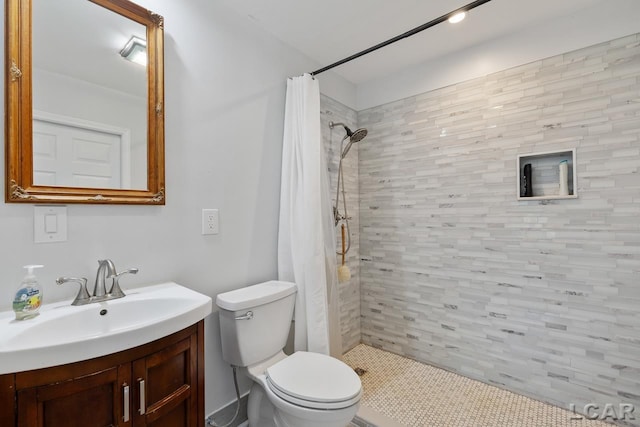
(416, 394)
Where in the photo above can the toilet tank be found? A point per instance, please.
(255, 321)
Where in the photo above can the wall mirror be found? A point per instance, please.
(84, 102)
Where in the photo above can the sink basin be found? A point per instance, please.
(63, 333)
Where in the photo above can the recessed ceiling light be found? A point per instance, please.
(454, 19)
(135, 50)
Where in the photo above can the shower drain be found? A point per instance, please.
(360, 371)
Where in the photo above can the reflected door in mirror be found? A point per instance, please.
(80, 77)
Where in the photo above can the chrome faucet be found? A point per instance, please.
(106, 270)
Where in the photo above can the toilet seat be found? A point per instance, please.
(314, 381)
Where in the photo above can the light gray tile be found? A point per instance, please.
(545, 293)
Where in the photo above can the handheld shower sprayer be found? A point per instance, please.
(353, 137)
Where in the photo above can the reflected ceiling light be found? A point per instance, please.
(454, 19)
(135, 50)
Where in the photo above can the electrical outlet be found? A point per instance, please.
(210, 221)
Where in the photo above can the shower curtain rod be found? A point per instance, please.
(409, 33)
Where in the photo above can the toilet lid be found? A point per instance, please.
(314, 380)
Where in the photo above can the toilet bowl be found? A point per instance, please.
(301, 390)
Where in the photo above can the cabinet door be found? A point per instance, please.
(7, 400)
(96, 400)
(165, 387)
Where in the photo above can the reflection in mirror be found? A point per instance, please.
(89, 102)
(84, 103)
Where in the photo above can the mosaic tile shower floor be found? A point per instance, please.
(415, 394)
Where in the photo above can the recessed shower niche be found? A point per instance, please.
(544, 178)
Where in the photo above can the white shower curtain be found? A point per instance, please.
(306, 239)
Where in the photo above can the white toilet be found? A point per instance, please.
(301, 390)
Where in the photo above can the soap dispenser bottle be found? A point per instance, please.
(28, 299)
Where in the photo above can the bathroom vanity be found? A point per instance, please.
(157, 384)
(133, 361)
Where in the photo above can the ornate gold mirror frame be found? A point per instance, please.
(19, 179)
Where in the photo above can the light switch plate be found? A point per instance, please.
(50, 224)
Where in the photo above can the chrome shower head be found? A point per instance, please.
(356, 136)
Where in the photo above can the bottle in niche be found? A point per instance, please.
(527, 187)
(563, 178)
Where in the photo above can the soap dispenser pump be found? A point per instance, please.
(28, 299)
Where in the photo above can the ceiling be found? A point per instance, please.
(329, 30)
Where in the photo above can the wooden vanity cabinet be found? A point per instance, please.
(94, 399)
(160, 384)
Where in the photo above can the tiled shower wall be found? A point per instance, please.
(349, 292)
(538, 297)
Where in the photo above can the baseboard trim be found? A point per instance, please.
(223, 416)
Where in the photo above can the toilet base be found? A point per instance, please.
(259, 409)
(265, 409)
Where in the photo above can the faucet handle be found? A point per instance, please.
(83, 295)
(133, 270)
(115, 291)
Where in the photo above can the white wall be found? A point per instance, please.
(595, 24)
(225, 87)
